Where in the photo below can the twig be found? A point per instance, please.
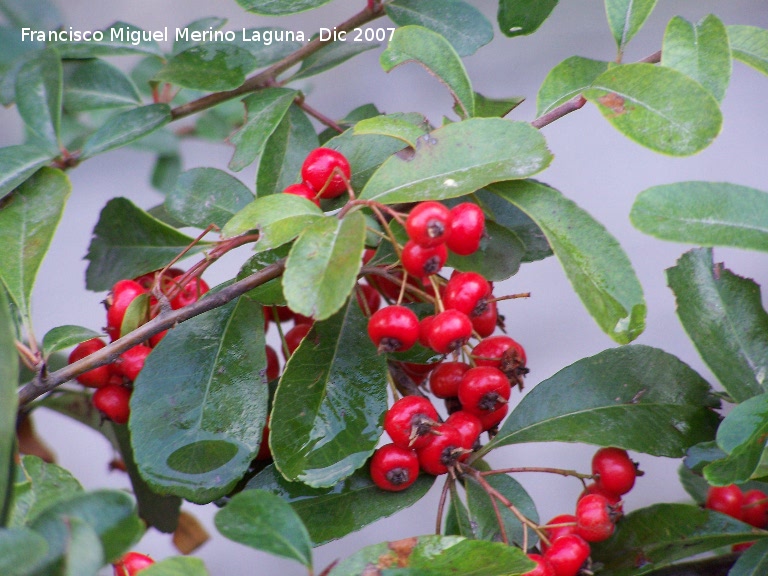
(559, 471)
(441, 504)
(301, 103)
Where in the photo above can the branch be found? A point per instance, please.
(46, 382)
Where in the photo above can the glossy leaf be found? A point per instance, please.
(322, 266)
(658, 107)
(331, 55)
(17, 163)
(120, 39)
(700, 51)
(43, 485)
(458, 159)
(463, 25)
(356, 501)
(21, 551)
(636, 397)
(204, 381)
(28, 220)
(597, 267)
(752, 562)
(176, 566)
(566, 80)
(284, 153)
(63, 337)
(9, 377)
(749, 44)
(665, 533)
(279, 7)
(522, 17)
(437, 56)
(208, 66)
(125, 127)
(128, 242)
(724, 317)
(109, 513)
(394, 126)
(202, 25)
(498, 257)
(204, 196)
(626, 17)
(95, 84)
(279, 218)
(264, 521)
(327, 411)
(38, 95)
(268, 44)
(265, 110)
(704, 213)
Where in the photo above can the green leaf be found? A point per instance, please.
(44, 485)
(437, 56)
(279, 218)
(125, 127)
(498, 257)
(749, 44)
(723, 316)
(164, 175)
(327, 411)
(28, 220)
(626, 17)
(284, 153)
(323, 264)
(38, 95)
(136, 314)
(265, 109)
(486, 107)
(204, 196)
(264, 521)
(21, 551)
(209, 66)
(665, 533)
(95, 85)
(700, 51)
(205, 383)
(84, 554)
(176, 566)
(269, 293)
(696, 487)
(704, 213)
(566, 80)
(128, 242)
(279, 7)
(457, 521)
(635, 397)
(752, 562)
(109, 513)
(183, 41)
(394, 126)
(522, 17)
(41, 14)
(460, 158)
(356, 501)
(9, 377)
(268, 44)
(119, 39)
(463, 25)
(331, 55)
(63, 337)
(659, 108)
(597, 267)
(17, 163)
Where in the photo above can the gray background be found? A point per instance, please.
(594, 165)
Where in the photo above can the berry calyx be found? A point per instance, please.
(445, 378)
(614, 469)
(467, 292)
(594, 518)
(467, 226)
(410, 422)
(567, 554)
(303, 190)
(493, 419)
(113, 400)
(483, 390)
(131, 564)
(327, 171)
(443, 452)
(97, 377)
(504, 353)
(422, 261)
(393, 329)
(448, 331)
(725, 499)
(394, 468)
(428, 223)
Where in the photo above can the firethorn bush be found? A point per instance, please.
(365, 351)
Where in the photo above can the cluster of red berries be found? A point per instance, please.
(750, 507)
(113, 381)
(131, 564)
(324, 174)
(597, 510)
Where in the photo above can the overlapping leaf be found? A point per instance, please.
(43, 485)
(279, 7)
(38, 95)
(749, 44)
(95, 84)
(566, 80)
(9, 377)
(204, 196)
(63, 337)
(17, 163)
(22, 551)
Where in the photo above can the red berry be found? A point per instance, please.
(303, 190)
(467, 292)
(594, 518)
(122, 294)
(613, 499)
(327, 171)
(492, 419)
(445, 378)
(754, 508)
(113, 401)
(567, 554)
(467, 228)
(417, 372)
(368, 298)
(421, 261)
(448, 331)
(425, 325)
(283, 313)
(428, 223)
(131, 563)
(543, 567)
(483, 390)
(190, 292)
(130, 362)
(614, 469)
(568, 522)
(272, 370)
(468, 425)
(97, 377)
(394, 468)
(393, 329)
(444, 451)
(504, 353)
(264, 452)
(410, 420)
(368, 255)
(726, 499)
(741, 547)
(155, 340)
(485, 324)
(294, 336)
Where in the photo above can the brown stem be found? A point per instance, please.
(322, 118)
(510, 297)
(559, 471)
(45, 383)
(441, 504)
